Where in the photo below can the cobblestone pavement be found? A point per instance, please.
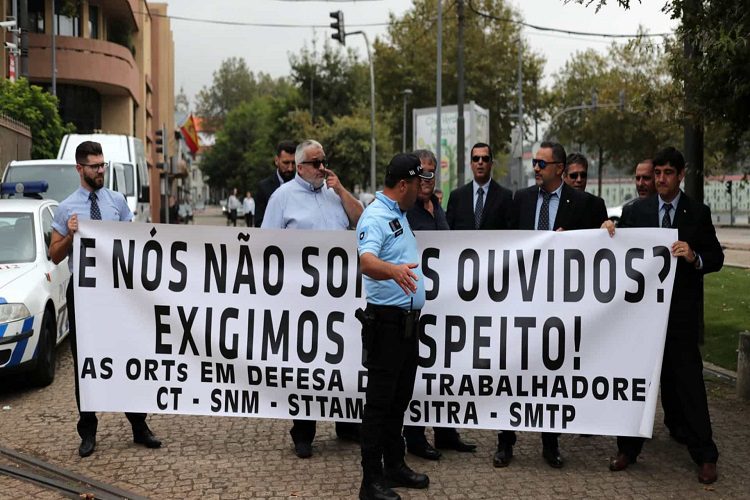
(225, 457)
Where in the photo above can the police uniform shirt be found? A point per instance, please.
(297, 204)
(112, 206)
(384, 231)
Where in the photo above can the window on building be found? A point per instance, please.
(36, 16)
(93, 21)
(67, 24)
(81, 106)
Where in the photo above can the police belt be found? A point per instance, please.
(393, 314)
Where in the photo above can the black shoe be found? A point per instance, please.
(455, 444)
(377, 490)
(503, 456)
(553, 457)
(424, 450)
(303, 449)
(403, 476)
(146, 438)
(88, 443)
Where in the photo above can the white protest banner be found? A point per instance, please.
(522, 330)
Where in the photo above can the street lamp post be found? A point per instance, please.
(407, 93)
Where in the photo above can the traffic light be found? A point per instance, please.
(338, 26)
(160, 141)
(728, 184)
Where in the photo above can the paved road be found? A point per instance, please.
(224, 457)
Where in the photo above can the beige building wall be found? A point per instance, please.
(117, 115)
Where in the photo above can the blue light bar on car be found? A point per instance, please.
(21, 188)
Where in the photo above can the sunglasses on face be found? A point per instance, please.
(543, 164)
(484, 158)
(576, 175)
(316, 163)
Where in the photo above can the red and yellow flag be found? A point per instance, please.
(190, 133)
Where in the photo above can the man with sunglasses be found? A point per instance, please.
(482, 203)
(313, 199)
(576, 176)
(550, 205)
(90, 201)
(428, 215)
(698, 252)
(285, 169)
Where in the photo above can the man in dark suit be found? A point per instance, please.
(550, 205)
(683, 392)
(576, 176)
(482, 203)
(285, 170)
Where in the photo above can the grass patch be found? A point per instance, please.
(727, 312)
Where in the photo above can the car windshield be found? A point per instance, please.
(62, 179)
(16, 237)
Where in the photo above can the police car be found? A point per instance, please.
(33, 315)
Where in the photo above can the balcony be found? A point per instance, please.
(105, 66)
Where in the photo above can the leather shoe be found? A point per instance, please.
(553, 458)
(88, 443)
(403, 476)
(620, 462)
(503, 456)
(455, 444)
(377, 490)
(708, 474)
(146, 438)
(424, 450)
(303, 449)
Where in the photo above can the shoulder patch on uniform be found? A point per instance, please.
(362, 234)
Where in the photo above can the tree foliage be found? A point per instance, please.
(36, 108)
(649, 119)
(406, 58)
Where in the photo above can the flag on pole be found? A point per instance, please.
(190, 134)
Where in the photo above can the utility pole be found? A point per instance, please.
(520, 115)
(439, 92)
(53, 47)
(407, 93)
(460, 132)
(23, 25)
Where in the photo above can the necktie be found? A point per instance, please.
(479, 208)
(95, 212)
(544, 212)
(666, 221)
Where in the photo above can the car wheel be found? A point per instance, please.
(44, 373)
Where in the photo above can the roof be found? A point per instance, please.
(23, 204)
(35, 163)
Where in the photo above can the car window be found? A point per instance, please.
(47, 218)
(17, 237)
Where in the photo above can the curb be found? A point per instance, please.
(720, 372)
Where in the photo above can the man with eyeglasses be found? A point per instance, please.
(576, 176)
(550, 205)
(90, 201)
(313, 199)
(428, 215)
(698, 252)
(285, 169)
(482, 203)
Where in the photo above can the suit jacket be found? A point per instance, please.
(596, 209)
(693, 223)
(574, 211)
(495, 215)
(263, 193)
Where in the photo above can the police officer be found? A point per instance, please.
(395, 295)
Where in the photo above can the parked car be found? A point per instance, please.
(33, 313)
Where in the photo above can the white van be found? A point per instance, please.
(129, 152)
(61, 176)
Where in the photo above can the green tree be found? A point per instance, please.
(36, 108)
(649, 119)
(406, 58)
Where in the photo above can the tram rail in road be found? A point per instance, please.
(68, 483)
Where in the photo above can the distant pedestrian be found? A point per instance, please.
(233, 204)
(248, 205)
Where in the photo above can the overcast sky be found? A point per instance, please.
(201, 46)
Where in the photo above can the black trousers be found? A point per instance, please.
(414, 435)
(391, 360)
(303, 431)
(549, 439)
(249, 220)
(683, 396)
(87, 421)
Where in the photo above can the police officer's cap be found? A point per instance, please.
(406, 166)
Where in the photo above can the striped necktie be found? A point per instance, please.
(666, 221)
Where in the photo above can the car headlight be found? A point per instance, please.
(13, 312)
